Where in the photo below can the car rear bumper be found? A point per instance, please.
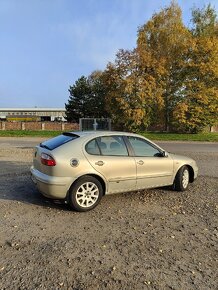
(51, 186)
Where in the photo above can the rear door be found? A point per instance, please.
(153, 169)
(109, 156)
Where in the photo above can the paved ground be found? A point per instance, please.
(205, 153)
(154, 239)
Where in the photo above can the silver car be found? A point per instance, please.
(81, 167)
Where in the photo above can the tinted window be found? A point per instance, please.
(143, 148)
(58, 141)
(92, 148)
(112, 146)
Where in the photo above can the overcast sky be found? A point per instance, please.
(45, 45)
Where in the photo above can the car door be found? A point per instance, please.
(109, 156)
(154, 169)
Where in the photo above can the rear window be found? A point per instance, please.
(58, 141)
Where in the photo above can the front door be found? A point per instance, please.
(109, 156)
(153, 169)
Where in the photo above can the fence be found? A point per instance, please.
(58, 126)
(38, 126)
(86, 124)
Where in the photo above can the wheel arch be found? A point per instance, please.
(190, 170)
(191, 173)
(99, 178)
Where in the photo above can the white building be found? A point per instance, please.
(37, 114)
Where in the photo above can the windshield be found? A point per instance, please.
(58, 141)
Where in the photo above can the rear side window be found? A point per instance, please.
(58, 141)
(112, 146)
(92, 148)
(107, 146)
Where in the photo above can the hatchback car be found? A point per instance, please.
(81, 167)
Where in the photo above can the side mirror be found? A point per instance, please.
(164, 154)
(161, 154)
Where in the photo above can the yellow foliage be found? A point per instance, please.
(171, 77)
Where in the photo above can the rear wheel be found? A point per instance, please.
(182, 179)
(85, 194)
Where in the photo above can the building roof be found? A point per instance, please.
(32, 109)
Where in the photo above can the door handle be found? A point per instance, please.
(140, 162)
(99, 163)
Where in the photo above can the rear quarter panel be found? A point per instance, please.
(67, 152)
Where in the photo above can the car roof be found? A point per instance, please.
(100, 133)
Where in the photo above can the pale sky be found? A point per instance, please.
(46, 45)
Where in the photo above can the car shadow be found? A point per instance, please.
(16, 184)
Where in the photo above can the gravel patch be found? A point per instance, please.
(154, 239)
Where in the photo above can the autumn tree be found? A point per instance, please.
(130, 91)
(198, 106)
(167, 40)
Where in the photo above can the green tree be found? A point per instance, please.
(79, 97)
(87, 98)
(204, 21)
(97, 101)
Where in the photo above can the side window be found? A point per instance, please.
(92, 148)
(143, 148)
(112, 146)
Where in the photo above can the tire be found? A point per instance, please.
(85, 194)
(181, 181)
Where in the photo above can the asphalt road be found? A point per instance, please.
(170, 146)
(183, 146)
(20, 142)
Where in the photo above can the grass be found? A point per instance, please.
(208, 137)
(23, 133)
(211, 137)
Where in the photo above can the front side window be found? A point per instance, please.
(142, 148)
(112, 146)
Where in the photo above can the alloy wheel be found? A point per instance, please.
(185, 178)
(87, 194)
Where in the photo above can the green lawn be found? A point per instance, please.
(20, 133)
(211, 137)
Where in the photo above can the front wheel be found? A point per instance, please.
(85, 194)
(181, 181)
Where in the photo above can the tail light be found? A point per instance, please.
(47, 160)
